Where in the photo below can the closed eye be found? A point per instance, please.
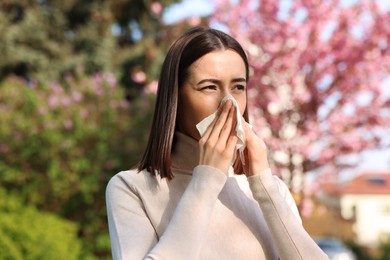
(210, 87)
(239, 87)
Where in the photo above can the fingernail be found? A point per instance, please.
(230, 103)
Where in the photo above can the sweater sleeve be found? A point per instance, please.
(289, 236)
(132, 235)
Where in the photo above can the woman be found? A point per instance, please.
(187, 200)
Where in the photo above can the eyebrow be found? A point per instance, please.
(216, 81)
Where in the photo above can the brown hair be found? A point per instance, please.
(192, 45)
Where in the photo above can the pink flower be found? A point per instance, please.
(77, 96)
(156, 8)
(68, 124)
(194, 21)
(56, 88)
(307, 207)
(110, 78)
(151, 88)
(53, 101)
(308, 69)
(139, 76)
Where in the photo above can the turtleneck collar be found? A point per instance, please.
(185, 155)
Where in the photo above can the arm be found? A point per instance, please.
(288, 234)
(290, 238)
(133, 236)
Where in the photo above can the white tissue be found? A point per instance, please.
(204, 124)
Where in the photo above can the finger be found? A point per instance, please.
(231, 143)
(228, 139)
(212, 124)
(220, 122)
(228, 128)
(221, 113)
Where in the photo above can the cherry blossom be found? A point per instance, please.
(317, 70)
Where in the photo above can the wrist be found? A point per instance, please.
(258, 169)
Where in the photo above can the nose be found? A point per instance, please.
(224, 93)
(220, 98)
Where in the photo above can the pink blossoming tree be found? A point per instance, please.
(319, 70)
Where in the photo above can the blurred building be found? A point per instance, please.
(366, 200)
(358, 210)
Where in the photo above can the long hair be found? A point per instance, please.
(192, 45)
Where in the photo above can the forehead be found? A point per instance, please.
(219, 63)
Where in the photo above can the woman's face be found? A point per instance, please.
(210, 78)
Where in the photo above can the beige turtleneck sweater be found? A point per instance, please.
(203, 214)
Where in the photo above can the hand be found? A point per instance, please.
(256, 153)
(218, 144)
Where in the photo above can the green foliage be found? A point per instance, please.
(360, 251)
(44, 40)
(59, 145)
(61, 142)
(26, 233)
(384, 249)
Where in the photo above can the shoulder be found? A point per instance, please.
(132, 181)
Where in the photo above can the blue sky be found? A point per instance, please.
(187, 8)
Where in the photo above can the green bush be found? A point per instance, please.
(60, 144)
(361, 252)
(26, 233)
(384, 249)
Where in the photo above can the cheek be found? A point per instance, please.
(203, 108)
(193, 110)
